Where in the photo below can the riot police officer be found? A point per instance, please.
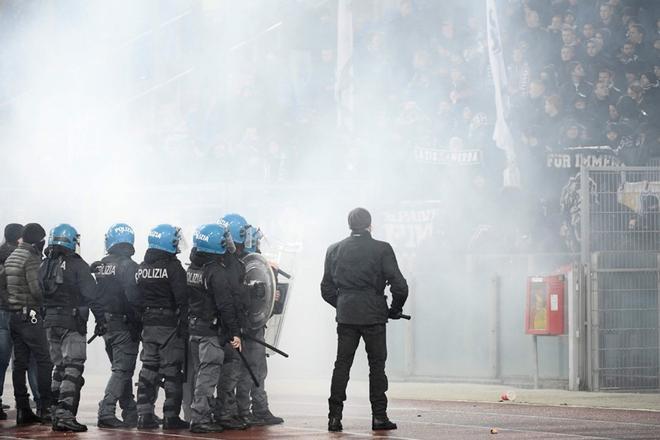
(162, 284)
(211, 307)
(357, 270)
(69, 293)
(24, 301)
(120, 297)
(251, 401)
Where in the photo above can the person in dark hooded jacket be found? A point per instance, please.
(13, 232)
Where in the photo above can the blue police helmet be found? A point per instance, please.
(254, 238)
(210, 238)
(238, 227)
(119, 233)
(166, 238)
(64, 235)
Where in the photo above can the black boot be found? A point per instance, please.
(382, 422)
(266, 418)
(130, 419)
(44, 414)
(3, 414)
(25, 416)
(233, 423)
(334, 424)
(68, 425)
(201, 428)
(174, 423)
(110, 423)
(147, 421)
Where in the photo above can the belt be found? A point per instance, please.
(160, 310)
(115, 317)
(59, 310)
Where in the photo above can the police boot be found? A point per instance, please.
(232, 423)
(147, 421)
(25, 416)
(247, 421)
(110, 423)
(266, 418)
(130, 419)
(334, 424)
(44, 413)
(174, 423)
(382, 422)
(71, 425)
(201, 428)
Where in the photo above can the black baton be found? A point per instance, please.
(405, 316)
(90, 340)
(265, 344)
(247, 366)
(284, 274)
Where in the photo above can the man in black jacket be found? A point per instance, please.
(161, 280)
(24, 301)
(120, 297)
(13, 232)
(69, 293)
(357, 269)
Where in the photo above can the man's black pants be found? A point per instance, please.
(348, 337)
(30, 338)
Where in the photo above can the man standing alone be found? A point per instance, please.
(357, 269)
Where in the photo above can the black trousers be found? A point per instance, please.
(30, 338)
(348, 337)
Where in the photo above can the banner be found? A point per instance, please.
(574, 158)
(448, 157)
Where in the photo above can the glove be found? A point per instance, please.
(101, 328)
(258, 290)
(394, 313)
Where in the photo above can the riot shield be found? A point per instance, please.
(257, 270)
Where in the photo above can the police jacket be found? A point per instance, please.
(69, 290)
(240, 291)
(161, 281)
(210, 297)
(117, 287)
(357, 270)
(5, 250)
(22, 272)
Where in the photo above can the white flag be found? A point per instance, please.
(344, 74)
(501, 135)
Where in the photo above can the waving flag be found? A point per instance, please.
(502, 135)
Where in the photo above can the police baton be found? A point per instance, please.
(247, 367)
(265, 344)
(90, 340)
(406, 317)
(284, 274)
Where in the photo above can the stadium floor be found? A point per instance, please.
(305, 418)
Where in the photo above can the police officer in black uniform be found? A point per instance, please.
(161, 280)
(24, 301)
(357, 269)
(211, 309)
(69, 293)
(249, 402)
(119, 294)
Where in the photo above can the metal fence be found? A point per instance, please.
(620, 229)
